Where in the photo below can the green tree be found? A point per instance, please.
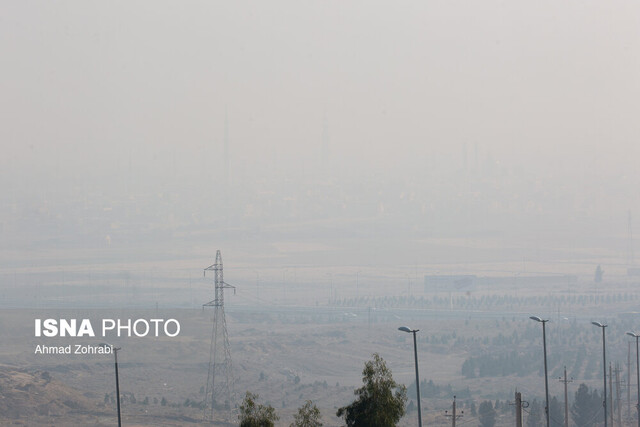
(586, 410)
(535, 414)
(486, 414)
(255, 415)
(308, 416)
(376, 404)
(556, 413)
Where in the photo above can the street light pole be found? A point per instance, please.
(636, 336)
(115, 353)
(415, 354)
(604, 369)
(546, 379)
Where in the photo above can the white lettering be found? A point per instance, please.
(166, 327)
(50, 328)
(156, 322)
(44, 349)
(139, 327)
(127, 327)
(86, 329)
(67, 327)
(105, 328)
(135, 328)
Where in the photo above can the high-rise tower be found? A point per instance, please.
(219, 389)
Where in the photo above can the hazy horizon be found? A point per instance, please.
(416, 121)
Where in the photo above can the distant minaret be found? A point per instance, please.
(325, 142)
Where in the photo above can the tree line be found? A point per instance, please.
(473, 302)
(586, 411)
(380, 402)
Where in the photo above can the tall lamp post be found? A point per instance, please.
(415, 353)
(115, 349)
(636, 336)
(546, 379)
(604, 369)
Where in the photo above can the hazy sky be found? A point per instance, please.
(91, 90)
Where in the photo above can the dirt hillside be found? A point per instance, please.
(25, 394)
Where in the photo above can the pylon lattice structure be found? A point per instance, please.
(219, 395)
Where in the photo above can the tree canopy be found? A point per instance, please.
(536, 414)
(486, 414)
(587, 408)
(255, 415)
(308, 416)
(376, 405)
(556, 413)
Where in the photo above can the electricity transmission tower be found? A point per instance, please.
(219, 389)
